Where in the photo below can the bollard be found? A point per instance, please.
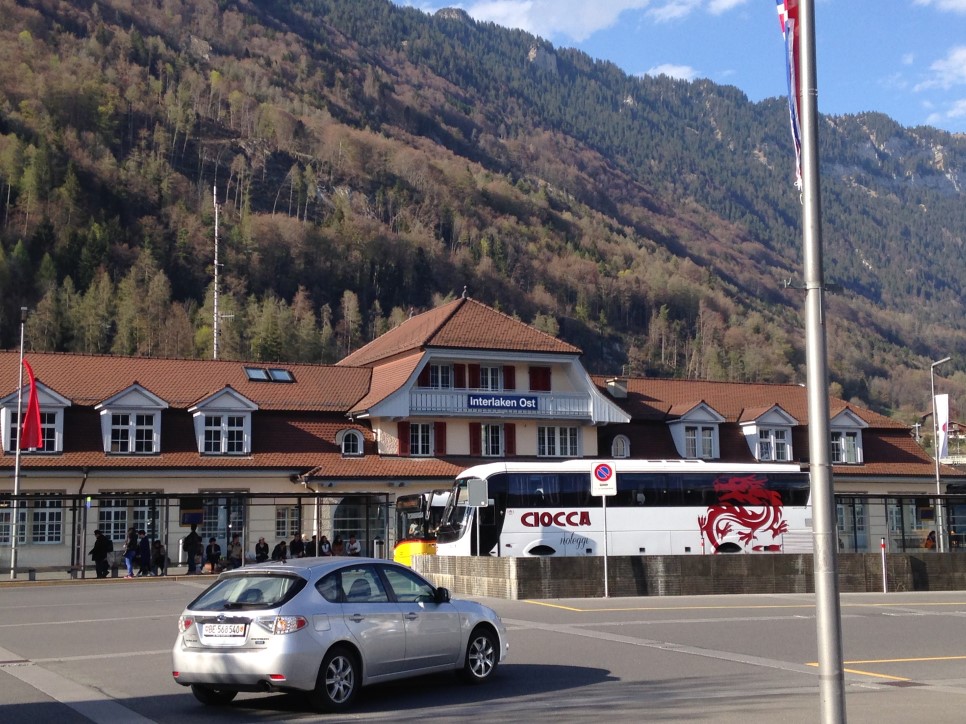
(31, 574)
(114, 571)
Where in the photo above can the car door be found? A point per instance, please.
(375, 622)
(433, 636)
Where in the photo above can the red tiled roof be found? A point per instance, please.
(90, 379)
(656, 399)
(386, 379)
(461, 324)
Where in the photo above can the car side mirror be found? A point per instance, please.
(442, 595)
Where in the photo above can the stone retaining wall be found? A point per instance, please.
(583, 577)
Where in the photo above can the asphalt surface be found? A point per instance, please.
(79, 651)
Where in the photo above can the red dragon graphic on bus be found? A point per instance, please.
(746, 507)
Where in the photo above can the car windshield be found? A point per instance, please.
(248, 591)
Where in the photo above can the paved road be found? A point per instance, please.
(99, 651)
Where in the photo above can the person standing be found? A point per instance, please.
(159, 558)
(235, 552)
(102, 546)
(144, 553)
(130, 551)
(190, 546)
(261, 551)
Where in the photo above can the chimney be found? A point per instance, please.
(617, 387)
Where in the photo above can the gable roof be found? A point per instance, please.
(92, 379)
(461, 324)
(660, 399)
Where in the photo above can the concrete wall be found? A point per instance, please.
(583, 577)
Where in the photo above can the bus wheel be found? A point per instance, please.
(729, 548)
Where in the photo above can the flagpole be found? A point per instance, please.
(827, 605)
(15, 513)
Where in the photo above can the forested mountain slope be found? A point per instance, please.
(372, 160)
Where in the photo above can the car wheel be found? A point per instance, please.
(482, 656)
(338, 681)
(212, 697)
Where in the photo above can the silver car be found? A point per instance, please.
(327, 627)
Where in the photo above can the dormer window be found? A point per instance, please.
(773, 445)
(223, 423)
(52, 408)
(351, 442)
(695, 431)
(131, 422)
(845, 438)
(699, 441)
(620, 447)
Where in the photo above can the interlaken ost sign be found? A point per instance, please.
(477, 401)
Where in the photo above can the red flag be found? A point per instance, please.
(31, 435)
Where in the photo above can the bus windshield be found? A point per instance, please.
(452, 523)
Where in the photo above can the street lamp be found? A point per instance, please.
(940, 532)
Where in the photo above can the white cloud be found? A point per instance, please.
(954, 6)
(680, 72)
(947, 72)
(575, 19)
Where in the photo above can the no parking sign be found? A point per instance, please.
(603, 479)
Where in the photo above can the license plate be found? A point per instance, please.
(224, 630)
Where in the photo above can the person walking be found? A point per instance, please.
(190, 545)
(102, 546)
(261, 551)
(130, 551)
(144, 554)
(159, 559)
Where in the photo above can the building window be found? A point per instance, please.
(48, 432)
(492, 440)
(46, 521)
(773, 445)
(112, 518)
(224, 434)
(351, 442)
(845, 447)
(699, 441)
(420, 438)
(620, 447)
(6, 514)
(287, 521)
(491, 378)
(138, 427)
(440, 377)
(557, 441)
(223, 517)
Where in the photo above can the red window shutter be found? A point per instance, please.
(404, 439)
(510, 438)
(509, 377)
(476, 438)
(423, 379)
(474, 371)
(439, 438)
(459, 376)
(540, 379)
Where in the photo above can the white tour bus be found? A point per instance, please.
(657, 508)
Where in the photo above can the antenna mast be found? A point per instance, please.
(216, 319)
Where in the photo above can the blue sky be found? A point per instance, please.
(904, 58)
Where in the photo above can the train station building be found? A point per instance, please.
(276, 450)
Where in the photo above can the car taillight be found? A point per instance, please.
(184, 623)
(282, 624)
